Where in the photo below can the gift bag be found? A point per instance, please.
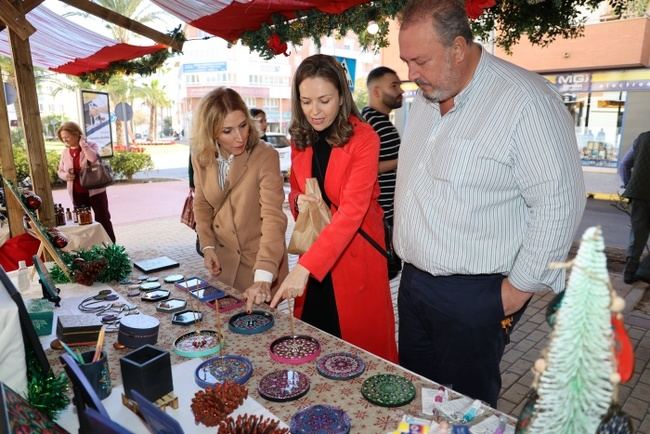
(187, 216)
(311, 220)
(96, 175)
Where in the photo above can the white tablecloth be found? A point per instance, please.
(84, 236)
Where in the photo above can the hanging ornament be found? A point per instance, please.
(277, 45)
(615, 422)
(553, 307)
(475, 8)
(623, 349)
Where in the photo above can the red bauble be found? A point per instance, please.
(623, 349)
(276, 45)
(31, 200)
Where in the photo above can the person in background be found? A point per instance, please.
(346, 280)
(76, 154)
(238, 198)
(635, 174)
(385, 95)
(489, 193)
(259, 117)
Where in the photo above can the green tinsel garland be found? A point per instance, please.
(118, 263)
(46, 391)
(145, 65)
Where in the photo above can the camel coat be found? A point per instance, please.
(359, 271)
(244, 221)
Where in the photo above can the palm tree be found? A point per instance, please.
(154, 96)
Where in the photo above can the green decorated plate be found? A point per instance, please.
(388, 390)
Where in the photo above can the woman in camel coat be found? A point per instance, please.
(238, 198)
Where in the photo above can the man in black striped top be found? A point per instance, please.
(384, 95)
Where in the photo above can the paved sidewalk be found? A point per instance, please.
(146, 219)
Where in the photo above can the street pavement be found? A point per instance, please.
(146, 217)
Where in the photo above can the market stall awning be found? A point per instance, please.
(63, 46)
(228, 19)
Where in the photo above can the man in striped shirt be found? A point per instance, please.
(384, 95)
(489, 192)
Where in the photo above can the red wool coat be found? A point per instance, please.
(359, 273)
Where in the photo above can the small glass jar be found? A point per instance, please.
(84, 217)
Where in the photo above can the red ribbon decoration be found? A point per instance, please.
(623, 349)
(475, 8)
(276, 45)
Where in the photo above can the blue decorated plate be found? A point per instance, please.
(220, 369)
(321, 419)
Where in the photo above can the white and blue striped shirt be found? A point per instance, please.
(494, 185)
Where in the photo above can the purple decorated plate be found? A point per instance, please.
(283, 385)
(340, 366)
(257, 321)
(294, 350)
(321, 419)
(220, 369)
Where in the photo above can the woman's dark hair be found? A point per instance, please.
(327, 68)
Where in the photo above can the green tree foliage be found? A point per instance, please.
(22, 164)
(51, 123)
(360, 94)
(127, 164)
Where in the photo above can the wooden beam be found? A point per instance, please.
(14, 210)
(27, 5)
(15, 20)
(31, 118)
(127, 23)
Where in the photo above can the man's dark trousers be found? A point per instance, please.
(450, 330)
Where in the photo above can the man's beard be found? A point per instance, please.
(392, 102)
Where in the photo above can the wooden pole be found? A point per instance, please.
(27, 5)
(127, 23)
(14, 210)
(31, 118)
(15, 20)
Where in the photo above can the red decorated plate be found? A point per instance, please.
(283, 385)
(294, 350)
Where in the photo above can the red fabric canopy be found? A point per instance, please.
(228, 19)
(63, 46)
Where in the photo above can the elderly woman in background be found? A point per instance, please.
(345, 275)
(77, 153)
(238, 198)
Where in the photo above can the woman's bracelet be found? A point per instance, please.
(206, 248)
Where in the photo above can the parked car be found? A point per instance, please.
(281, 144)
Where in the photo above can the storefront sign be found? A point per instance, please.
(602, 81)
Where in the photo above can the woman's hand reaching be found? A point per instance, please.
(211, 262)
(293, 285)
(257, 293)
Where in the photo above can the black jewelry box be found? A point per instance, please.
(78, 329)
(147, 370)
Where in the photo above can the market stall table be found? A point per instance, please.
(345, 394)
(84, 236)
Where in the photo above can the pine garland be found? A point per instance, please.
(118, 264)
(143, 66)
(542, 21)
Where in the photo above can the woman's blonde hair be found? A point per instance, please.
(208, 119)
(70, 127)
(328, 68)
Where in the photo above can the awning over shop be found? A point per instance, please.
(63, 46)
(228, 19)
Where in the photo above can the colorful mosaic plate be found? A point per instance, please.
(198, 344)
(340, 366)
(220, 369)
(321, 419)
(294, 350)
(283, 385)
(388, 390)
(257, 321)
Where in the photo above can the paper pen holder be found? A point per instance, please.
(149, 371)
(97, 373)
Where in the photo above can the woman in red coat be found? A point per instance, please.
(345, 277)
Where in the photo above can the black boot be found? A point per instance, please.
(629, 272)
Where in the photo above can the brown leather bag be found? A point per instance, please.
(310, 222)
(187, 215)
(96, 175)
